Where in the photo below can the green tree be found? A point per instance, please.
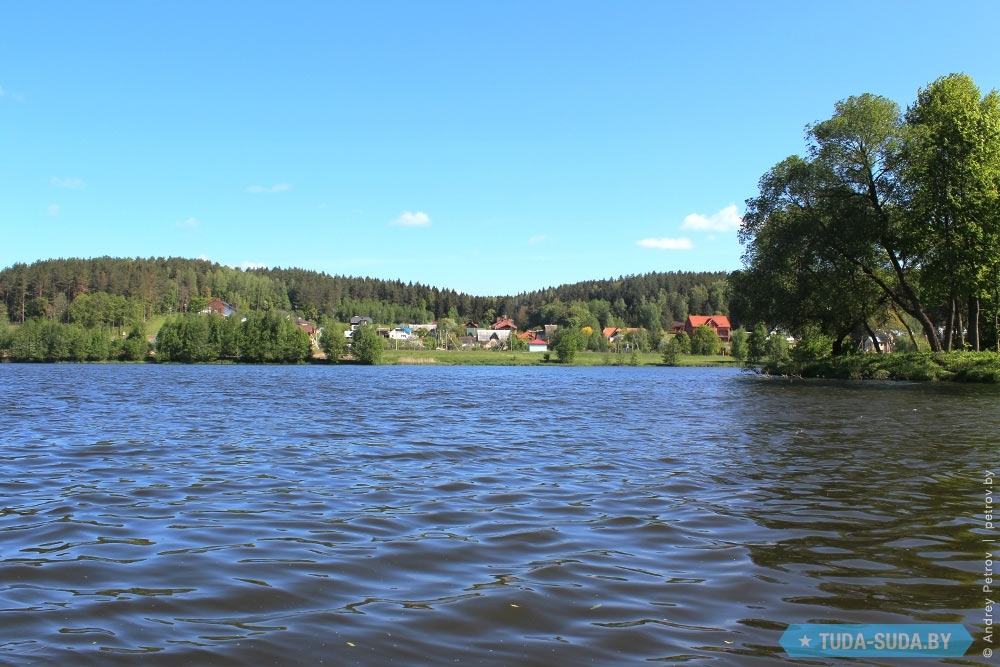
(135, 346)
(776, 349)
(953, 169)
(757, 344)
(366, 345)
(705, 341)
(671, 352)
(845, 206)
(739, 342)
(683, 342)
(570, 341)
(332, 340)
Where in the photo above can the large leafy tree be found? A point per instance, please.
(885, 214)
(953, 166)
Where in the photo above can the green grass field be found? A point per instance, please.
(495, 358)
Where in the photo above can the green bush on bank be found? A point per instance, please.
(913, 366)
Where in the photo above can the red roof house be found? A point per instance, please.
(718, 322)
(537, 345)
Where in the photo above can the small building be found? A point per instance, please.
(610, 333)
(218, 307)
(504, 324)
(537, 345)
(400, 333)
(720, 323)
(358, 320)
(305, 326)
(491, 339)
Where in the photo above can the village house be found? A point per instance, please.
(719, 323)
(400, 333)
(504, 324)
(218, 307)
(305, 326)
(358, 320)
(492, 339)
(537, 345)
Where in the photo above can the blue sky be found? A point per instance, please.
(488, 147)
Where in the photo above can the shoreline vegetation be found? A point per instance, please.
(978, 367)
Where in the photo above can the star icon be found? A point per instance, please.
(804, 641)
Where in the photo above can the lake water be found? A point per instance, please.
(181, 515)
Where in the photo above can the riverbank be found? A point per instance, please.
(498, 358)
(981, 367)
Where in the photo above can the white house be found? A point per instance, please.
(537, 345)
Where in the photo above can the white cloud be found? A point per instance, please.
(726, 220)
(407, 219)
(269, 190)
(68, 183)
(537, 239)
(54, 209)
(243, 266)
(190, 223)
(665, 243)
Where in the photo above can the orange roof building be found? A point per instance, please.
(720, 323)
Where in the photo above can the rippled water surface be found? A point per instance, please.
(468, 515)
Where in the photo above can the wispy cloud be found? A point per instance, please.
(14, 96)
(53, 209)
(243, 266)
(190, 223)
(68, 183)
(535, 240)
(407, 219)
(269, 190)
(726, 220)
(682, 243)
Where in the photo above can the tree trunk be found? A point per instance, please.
(909, 331)
(974, 323)
(949, 337)
(961, 329)
(871, 334)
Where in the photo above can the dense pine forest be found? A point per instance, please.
(122, 292)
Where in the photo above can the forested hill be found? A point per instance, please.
(142, 288)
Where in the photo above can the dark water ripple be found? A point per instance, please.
(259, 515)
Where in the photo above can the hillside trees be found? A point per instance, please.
(262, 338)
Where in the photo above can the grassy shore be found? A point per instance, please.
(922, 366)
(495, 358)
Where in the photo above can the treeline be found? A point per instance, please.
(890, 222)
(116, 292)
(262, 337)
